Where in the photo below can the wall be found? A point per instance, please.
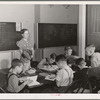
(93, 25)
(58, 14)
(16, 13)
(30, 15)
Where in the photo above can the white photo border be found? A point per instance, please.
(54, 95)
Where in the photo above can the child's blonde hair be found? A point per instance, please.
(90, 48)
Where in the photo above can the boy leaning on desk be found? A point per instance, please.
(16, 84)
(64, 75)
(47, 61)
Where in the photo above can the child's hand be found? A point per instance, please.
(99, 92)
(32, 58)
(52, 76)
(90, 67)
(74, 71)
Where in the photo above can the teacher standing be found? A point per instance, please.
(25, 44)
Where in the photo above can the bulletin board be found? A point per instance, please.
(55, 34)
(8, 36)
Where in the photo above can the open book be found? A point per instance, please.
(34, 79)
(51, 77)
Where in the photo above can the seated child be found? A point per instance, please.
(68, 51)
(82, 73)
(64, 75)
(47, 61)
(94, 61)
(95, 56)
(70, 58)
(14, 80)
(25, 58)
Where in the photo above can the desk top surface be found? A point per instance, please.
(41, 79)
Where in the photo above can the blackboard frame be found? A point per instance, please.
(66, 25)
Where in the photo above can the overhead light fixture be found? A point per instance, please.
(65, 6)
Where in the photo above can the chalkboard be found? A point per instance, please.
(54, 34)
(8, 36)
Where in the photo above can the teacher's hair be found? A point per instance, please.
(23, 30)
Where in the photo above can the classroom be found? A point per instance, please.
(49, 48)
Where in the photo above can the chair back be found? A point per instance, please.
(79, 86)
(3, 80)
(2, 90)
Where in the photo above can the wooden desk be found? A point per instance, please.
(44, 84)
(42, 81)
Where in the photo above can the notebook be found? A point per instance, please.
(34, 79)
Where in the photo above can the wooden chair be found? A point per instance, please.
(95, 83)
(3, 80)
(79, 86)
(94, 78)
(2, 90)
